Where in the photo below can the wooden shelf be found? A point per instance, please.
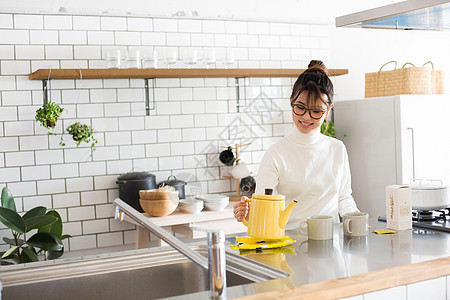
(44, 74)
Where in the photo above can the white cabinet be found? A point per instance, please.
(391, 140)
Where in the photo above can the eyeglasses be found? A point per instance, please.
(314, 113)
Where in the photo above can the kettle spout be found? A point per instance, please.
(284, 216)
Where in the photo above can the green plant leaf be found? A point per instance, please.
(10, 251)
(12, 220)
(55, 254)
(12, 242)
(56, 228)
(46, 241)
(29, 255)
(39, 221)
(37, 211)
(65, 236)
(327, 128)
(8, 199)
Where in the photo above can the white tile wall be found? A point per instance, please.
(192, 119)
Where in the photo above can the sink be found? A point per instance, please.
(140, 275)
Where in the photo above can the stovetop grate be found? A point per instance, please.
(435, 220)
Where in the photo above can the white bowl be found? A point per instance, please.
(191, 206)
(216, 206)
(213, 198)
(191, 210)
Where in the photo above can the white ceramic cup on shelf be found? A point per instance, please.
(239, 170)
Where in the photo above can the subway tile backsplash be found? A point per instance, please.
(192, 119)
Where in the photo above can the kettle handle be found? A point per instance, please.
(244, 221)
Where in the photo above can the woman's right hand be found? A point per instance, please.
(241, 209)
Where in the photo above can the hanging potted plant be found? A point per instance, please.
(82, 133)
(48, 114)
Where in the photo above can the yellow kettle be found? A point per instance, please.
(268, 217)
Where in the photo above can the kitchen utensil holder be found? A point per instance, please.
(238, 181)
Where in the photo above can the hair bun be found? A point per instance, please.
(317, 64)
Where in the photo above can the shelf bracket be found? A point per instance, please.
(45, 88)
(238, 94)
(147, 96)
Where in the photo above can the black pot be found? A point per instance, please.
(131, 183)
(177, 184)
(227, 157)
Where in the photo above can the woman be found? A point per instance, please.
(306, 165)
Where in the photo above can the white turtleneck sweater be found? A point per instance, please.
(311, 168)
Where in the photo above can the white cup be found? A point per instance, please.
(356, 224)
(239, 170)
(318, 228)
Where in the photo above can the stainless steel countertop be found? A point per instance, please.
(306, 261)
(316, 261)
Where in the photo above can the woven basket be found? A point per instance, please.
(404, 81)
(437, 79)
(381, 83)
(413, 81)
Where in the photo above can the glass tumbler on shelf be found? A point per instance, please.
(229, 58)
(134, 60)
(209, 57)
(170, 57)
(113, 59)
(191, 57)
(150, 60)
(123, 59)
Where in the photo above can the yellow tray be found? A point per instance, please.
(254, 243)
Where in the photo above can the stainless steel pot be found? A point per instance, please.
(131, 183)
(429, 196)
(177, 184)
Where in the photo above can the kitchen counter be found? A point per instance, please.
(345, 267)
(333, 269)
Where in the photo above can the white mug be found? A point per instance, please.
(356, 224)
(319, 228)
(239, 171)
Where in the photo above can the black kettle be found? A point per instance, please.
(177, 184)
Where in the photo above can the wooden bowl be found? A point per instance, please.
(157, 194)
(159, 208)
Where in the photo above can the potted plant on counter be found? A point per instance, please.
(82, 133)
(48, 114)
(47, 241)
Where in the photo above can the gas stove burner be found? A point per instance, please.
(424, 215)
(443, 214)
(425, 220)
